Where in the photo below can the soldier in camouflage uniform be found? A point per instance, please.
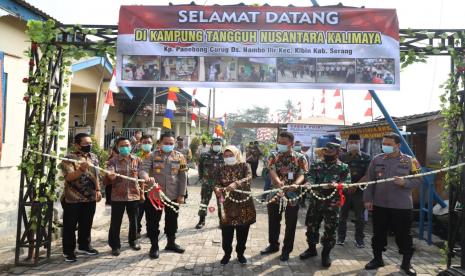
(328, 170)
(209, 165)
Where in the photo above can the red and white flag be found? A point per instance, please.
(368, 97)
(109, 95)
(194, 116)
(368, 112)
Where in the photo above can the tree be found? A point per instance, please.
(255, 114)
(289, 109)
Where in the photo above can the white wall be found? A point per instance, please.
(16, 66)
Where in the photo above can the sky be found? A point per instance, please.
(420, 83)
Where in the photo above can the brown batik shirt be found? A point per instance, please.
(83, 189)
(237, 213)
(125, 189)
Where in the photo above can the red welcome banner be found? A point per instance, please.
(248, 46)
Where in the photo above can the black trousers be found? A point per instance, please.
(399, 221)
(254, 167)
(153, 217)
(274, 226)
(141, 214)
(227, 233)
(354, 201)
(108, 194)
(117, 212)
(82, 215)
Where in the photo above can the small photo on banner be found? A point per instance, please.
(335, 70)
(221, 69)
(140, 68)
(257, 70)
(375, 70)
(296, 69)
(179, 68)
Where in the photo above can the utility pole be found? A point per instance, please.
(209, 107)
(154, 102)
(214, 103)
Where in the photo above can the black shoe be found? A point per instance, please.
(70, 258)
(325, 258)
(284, 257)
(135, 246)
(154, 253)
(138, 235)
(174, 248)
(88, 251)
(310, 252)
(374, 264)
(115, 251)
(268, 250)
(225, 259)
(408, 270)
(201, 223)
(241, 259)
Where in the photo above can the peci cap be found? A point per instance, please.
(354, 136)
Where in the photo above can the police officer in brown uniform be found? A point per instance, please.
(167, 168)
(391, 202)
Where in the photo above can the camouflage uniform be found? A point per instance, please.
(322, 172)
(209, 165)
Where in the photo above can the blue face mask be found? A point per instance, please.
(146, 147)
(297, 148)
(167, 148)
(124, 151)
(388, 149)
(282, 148)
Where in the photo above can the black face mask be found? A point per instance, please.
(329, 158)
(86, 149)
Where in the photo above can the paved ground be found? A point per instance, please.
(203, 252)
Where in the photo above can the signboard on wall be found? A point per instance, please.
(367, 132)
(258, 46)
(307, 133)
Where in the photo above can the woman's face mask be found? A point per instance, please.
(229, 161)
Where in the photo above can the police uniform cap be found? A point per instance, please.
(332, 145)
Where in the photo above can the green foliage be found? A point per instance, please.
(256, 114)
(44, 40)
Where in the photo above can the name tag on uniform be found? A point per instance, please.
(290, 175)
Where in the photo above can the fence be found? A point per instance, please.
(125, 132)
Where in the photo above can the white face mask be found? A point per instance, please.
(216, 148)
(229, 161)
(353, 147)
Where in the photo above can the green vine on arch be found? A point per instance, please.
(48, 39)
